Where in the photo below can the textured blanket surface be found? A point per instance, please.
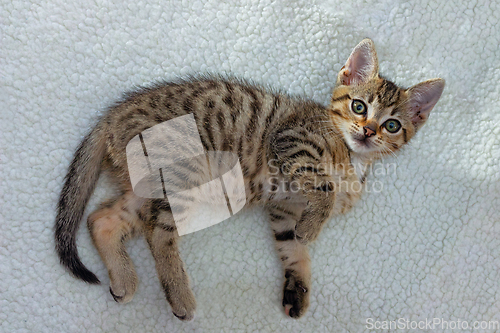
(423, 244)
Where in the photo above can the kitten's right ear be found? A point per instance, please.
(422, 98)
(361, 66)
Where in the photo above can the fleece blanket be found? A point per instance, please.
(421, 251)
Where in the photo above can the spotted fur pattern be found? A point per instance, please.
(299, 160)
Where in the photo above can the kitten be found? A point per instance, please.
(300, 161)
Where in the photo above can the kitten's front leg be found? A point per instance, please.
(294, 257)
(311, 223)
(320, 200)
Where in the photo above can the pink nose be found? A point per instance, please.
(368, 131)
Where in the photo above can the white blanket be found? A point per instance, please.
(425, 247)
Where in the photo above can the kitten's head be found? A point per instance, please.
(374, 116)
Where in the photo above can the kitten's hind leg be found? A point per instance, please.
(162, 236)
(110, 227)
(294, 258)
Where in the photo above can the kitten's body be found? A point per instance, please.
(299, 160)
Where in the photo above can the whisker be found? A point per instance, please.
(319, 115)
(386, 149)
(322, 121)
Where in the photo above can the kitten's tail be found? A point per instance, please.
(80, 181)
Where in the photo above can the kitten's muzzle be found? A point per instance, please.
(362, 140)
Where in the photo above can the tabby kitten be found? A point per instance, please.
(300, 161)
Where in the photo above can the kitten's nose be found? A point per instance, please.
(369, 131)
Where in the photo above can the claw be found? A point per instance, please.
(287, 309)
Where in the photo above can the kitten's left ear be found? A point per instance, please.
(422, 98)
(361, 66)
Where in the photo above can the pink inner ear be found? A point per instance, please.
(418, 115)
(423, 98)
(361, 65)
(346, 78)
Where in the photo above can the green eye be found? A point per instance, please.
(392, 125)
(358, 107)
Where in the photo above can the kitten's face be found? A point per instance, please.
(372, 118)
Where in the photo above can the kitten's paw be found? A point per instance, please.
(301, 239)
(184, 305)
(295, 296)
(306, 234)
(123, 291)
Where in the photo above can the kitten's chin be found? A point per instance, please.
(364, 147)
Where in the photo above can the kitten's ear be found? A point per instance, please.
(361, 66)
(422, 98)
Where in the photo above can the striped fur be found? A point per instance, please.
(299, 160)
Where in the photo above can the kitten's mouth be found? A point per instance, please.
(362, 145)
(365, 142)
(359, 143)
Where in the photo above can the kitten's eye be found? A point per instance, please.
(392, 125)
(358, 107)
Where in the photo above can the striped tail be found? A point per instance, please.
(80, 182)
